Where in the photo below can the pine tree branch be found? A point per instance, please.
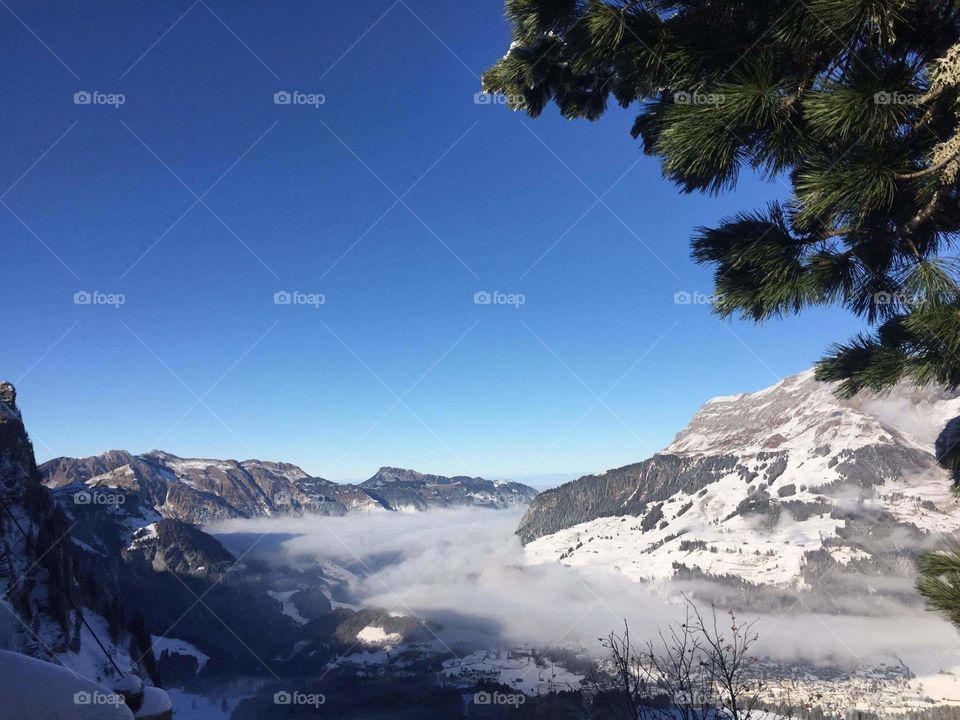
(932, 169)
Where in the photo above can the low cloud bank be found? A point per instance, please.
(465, 569)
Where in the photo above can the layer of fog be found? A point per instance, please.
(921, 412)
(465, 570)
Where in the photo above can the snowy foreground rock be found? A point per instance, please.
(38, 690)
(788, 487)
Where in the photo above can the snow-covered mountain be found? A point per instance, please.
(193, 489)
(198, 490)
(789, 487)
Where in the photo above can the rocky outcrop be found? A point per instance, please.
(18, 468)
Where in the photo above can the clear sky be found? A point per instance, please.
(396, 199)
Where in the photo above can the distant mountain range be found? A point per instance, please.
(789, 488)
(119, 535)
(205, 490)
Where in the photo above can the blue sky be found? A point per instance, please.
(397, 198)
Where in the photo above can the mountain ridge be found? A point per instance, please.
(200, 490)
(771, 488)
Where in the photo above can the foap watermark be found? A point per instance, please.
(295, 297)
(482, 297)
(95, 97)
(684, 297)
(897, 298)
(896, 98)
(295, 97)
(701, 698)
(698, 98)
(84, 697)
(295, 697)
(86, 497)
(95, 297)
(498, 698)
(485, 98)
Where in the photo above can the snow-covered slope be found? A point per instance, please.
(788, 486)
(31, 688)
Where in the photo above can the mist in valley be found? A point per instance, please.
(465, 573)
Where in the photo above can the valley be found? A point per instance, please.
(787, 505)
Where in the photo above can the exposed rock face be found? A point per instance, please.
(204, 490)
(17, 464)
(64, 471)
(769, 485)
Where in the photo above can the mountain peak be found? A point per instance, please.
(8, 394)
(800, 412)
(12, 432)
(388, 473)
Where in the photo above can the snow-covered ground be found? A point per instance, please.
(212, 702)
(373, 635)
(516, 668)
(289, 608)
(173, 646)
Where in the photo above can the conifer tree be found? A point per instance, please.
(855, 104)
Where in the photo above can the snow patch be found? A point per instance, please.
(373, 635)
(173, 646)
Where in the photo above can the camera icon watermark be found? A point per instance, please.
(698, 98)
(897, 298)
(295, 97)
(295, 297)
(86, 497)
(896, 98)
(498, 698)
(84, 697)
(684, 297)
(95, 97)
(295, 697)
(485, 98)
(95, 297)
(483, 297)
